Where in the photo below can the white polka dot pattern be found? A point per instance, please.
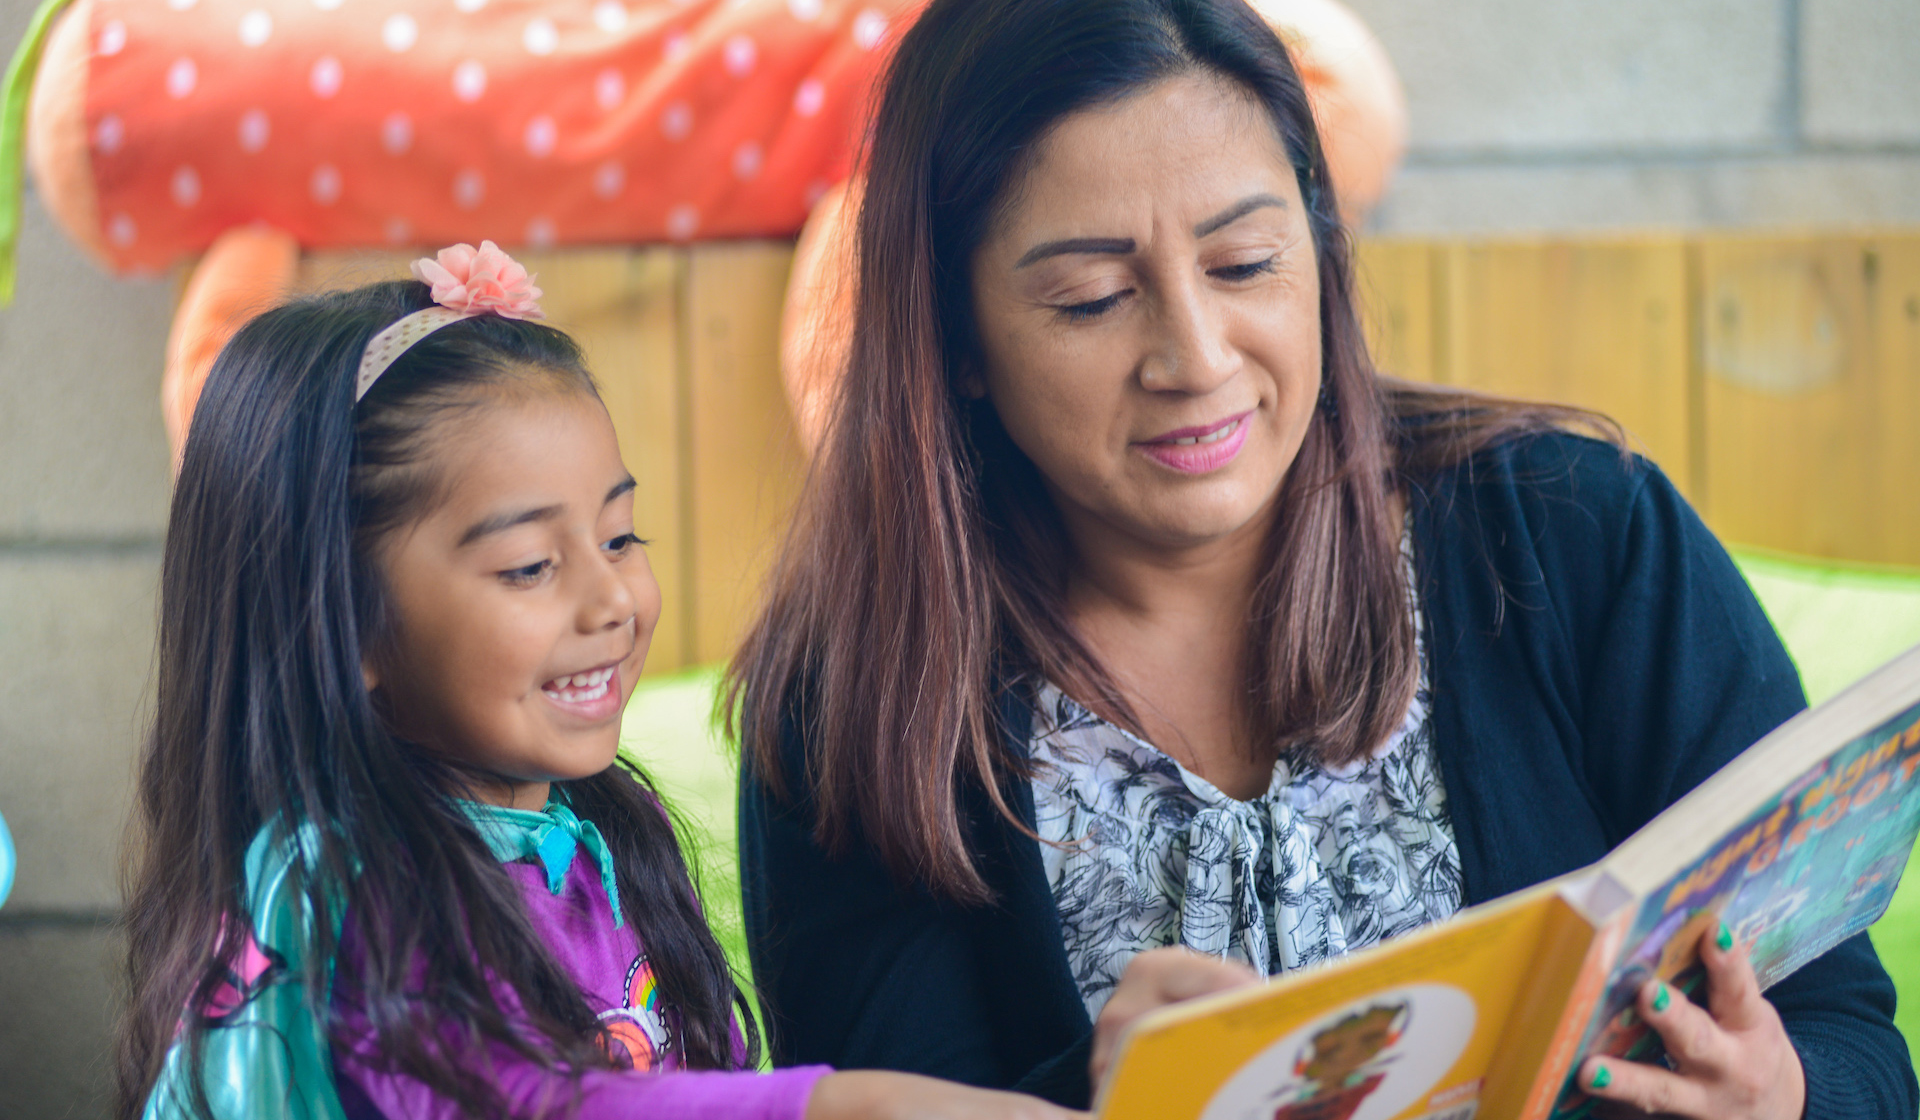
(182, 76)
(386, 347)
(186, 186)
(113, 38)
(256, 27)
(424, 122)
(400, 32)
(255, 130)
(109, 134)
(326, 76)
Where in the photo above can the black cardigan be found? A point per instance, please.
(1593, 654)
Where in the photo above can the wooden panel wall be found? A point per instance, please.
(1775, 379)
(1812, 393)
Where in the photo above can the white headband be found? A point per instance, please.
(466, 282)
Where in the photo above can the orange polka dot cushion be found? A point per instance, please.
(155, 125)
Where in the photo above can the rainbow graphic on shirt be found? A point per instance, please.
(637, 1033)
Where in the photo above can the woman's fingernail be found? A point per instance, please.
(1662, 996)
(1602, 1077)
(1725, 938)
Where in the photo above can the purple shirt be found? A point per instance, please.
(612, 972)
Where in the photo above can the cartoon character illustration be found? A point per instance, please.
(1342, 1065)
(637, 1034)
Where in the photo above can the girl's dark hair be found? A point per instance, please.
(270, 600)
(926, 569)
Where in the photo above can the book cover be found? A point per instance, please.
(1441, 1024)
(1814, 864)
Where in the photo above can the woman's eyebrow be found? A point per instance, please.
(1121, 245)
(1107, 245)
(1238, 211)
(625, 486)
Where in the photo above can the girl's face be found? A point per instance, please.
(524, 602)
(1149, 314)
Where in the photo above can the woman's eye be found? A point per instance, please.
(1093, 308)
(525, 576)
(622, 543)
(1235, 272)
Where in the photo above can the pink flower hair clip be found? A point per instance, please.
(466, 282)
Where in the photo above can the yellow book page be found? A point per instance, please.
(1403, 1030)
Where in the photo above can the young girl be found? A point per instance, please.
(390, 864)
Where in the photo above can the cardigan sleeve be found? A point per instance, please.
(1681, 672)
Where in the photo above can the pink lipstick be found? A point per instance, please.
(1198, 450)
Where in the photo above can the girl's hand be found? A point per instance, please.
(877, 1095)
(1732, 1059)
(1152, 980)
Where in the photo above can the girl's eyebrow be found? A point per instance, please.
(500, 522)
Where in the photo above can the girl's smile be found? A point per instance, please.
(593, 696)
(523, 601)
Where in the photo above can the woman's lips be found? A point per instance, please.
(1199, 450)
(593, 695)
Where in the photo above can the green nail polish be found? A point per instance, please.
(1601, 1078)
(1662, 996)
(1725, 939)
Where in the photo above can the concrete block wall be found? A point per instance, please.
(83, 503)
(1554, 115)
(1528, 115)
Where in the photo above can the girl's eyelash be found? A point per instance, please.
(525, 576)
(625, 541)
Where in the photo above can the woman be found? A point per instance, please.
(1129, 607)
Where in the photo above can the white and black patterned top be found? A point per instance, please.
(1142, 853)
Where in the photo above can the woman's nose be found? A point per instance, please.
(1191, 352)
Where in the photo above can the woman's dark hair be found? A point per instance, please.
(927, 568)
(270, 599)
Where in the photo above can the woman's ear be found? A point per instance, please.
(969, 381)
(370, 676)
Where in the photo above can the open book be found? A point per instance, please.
(1797, 845)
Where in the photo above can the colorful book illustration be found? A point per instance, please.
(1797, 845)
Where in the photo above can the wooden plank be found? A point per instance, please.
(1893, 311)
(1600, 324)
(1812, 358)
(745, 463)
(624, 308)
(1394, 289)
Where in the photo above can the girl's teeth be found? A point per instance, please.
(581, 687)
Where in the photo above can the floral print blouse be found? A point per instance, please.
(1142, 853)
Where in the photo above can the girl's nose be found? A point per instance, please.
(606, 601)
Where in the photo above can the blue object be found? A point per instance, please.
(6, 861)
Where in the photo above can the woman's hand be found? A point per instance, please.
(877, 1095)
(1732, 1059)
(1152, 980)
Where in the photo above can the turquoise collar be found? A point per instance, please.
(552, 837)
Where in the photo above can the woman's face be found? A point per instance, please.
(1148, 306)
